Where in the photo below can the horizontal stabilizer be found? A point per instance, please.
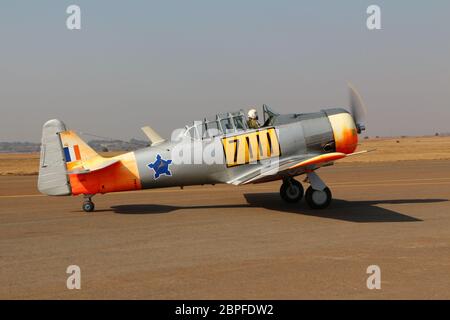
(95, 166)
(152, 135)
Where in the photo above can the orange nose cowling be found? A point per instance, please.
(344, 130)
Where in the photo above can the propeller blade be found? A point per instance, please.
(357, 108)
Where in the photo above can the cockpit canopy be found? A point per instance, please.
(224, 123)
(231, 122)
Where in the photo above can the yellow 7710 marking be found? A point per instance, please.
(251, 147)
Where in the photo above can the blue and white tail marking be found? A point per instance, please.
(72, 153)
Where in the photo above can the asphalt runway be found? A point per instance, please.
(227, 242)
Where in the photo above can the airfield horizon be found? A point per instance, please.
(386, 149)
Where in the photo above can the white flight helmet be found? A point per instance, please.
(252, 114)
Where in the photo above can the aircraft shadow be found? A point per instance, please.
(354, 211)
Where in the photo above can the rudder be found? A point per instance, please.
(53, 179)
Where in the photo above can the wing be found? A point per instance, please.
(316, 160)
(271, 168)
(289, 167)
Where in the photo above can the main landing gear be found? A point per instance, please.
(318, 199)
(317, 196)
(88, 205)
(291, 190)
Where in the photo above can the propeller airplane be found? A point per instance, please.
(284, 147)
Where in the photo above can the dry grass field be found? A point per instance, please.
(386, 150)
(403, 149)
(19, 163)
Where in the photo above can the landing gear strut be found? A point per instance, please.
(291, 190)
(88, 205)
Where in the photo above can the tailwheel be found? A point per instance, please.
(291, 191)
(318, 199)
(88, 206)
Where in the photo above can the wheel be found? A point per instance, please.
(291, 191)
(88, 206)
(317, 199)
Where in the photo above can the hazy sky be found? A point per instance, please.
(167, 63)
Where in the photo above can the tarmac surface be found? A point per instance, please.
(227, 242)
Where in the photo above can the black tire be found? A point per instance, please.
(291, 191)
(88, 206)
(317, 199)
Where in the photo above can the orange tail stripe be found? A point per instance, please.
(77, 152)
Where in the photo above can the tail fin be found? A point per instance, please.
(53, 179)
(76, 151)
(61, 151)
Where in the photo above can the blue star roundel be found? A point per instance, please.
(160, 166)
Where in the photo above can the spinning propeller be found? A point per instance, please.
(357, 109)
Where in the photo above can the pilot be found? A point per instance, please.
(252, 121)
